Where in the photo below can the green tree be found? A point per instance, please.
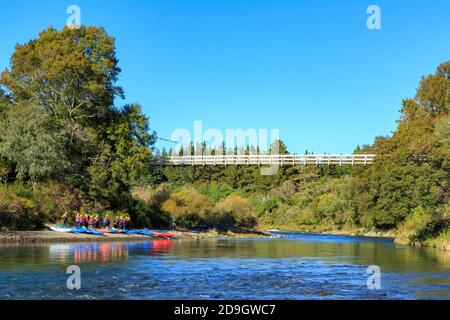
(33, 143)
(278, 147)
(61, 122)
(72, 73)
(69, 75)
(434, 93)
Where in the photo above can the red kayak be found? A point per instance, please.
(110, 230)
(163, 234)
(105, 230)
(168, 235)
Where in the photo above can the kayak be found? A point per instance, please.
(106, 230)
(139, 232)
(97, 233)
(114, 230)
(61, 229)
(131, 232)
(148, 233)
(168, 235)
(163, 234)
(87, 231)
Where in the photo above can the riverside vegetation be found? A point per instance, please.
(66, 146)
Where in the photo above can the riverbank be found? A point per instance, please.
(442, 242)
(355, 232)
(25, 237)
(60, 237)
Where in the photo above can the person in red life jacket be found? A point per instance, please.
(78, 220)
(91, 223)
(97, 222)
(85, 221)
(127, 223)
(106, 221)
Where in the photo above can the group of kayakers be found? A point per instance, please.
(95, 224)
(94, 221)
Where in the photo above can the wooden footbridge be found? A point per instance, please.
(269, 160)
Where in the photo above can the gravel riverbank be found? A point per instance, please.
(60, 237)
(57, 237)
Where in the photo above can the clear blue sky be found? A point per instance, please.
(309, 68)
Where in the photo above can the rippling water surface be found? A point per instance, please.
(298, 266)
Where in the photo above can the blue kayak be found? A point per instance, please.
(144, 232)
(86, 231)
(97, 233)
(131, 231)
(148, 233)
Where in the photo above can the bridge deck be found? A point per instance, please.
(271, 160)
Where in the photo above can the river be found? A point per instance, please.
(297, 266)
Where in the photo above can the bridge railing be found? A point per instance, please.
(261, 160)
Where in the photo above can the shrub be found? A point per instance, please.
(266, 206)
(415, 227)
(52, 200)
(152, 197)
(238, 209)
(17, 213)
(306, 217)
(187, 206)
(216, 191)
(332, 209)
(285, 191)
(26, 208)
(142, 193)
(143, 215)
